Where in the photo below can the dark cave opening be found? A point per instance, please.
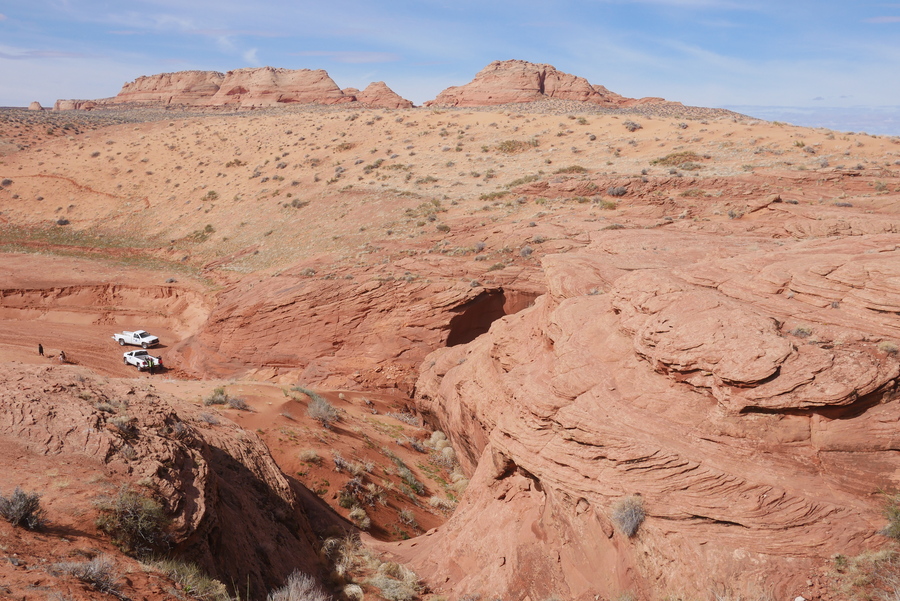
(475, 317)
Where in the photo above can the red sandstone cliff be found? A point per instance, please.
(183, 87)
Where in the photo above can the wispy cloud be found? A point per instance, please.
(41, 54)
(2, 17)
(347, 56)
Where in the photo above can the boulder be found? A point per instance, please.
(35, 106)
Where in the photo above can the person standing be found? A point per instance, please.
(40, 349)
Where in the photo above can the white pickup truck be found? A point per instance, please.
(142, 360)
(138, 338)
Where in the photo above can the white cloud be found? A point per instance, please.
(250, 57)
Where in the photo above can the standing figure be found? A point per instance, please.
(62, 356)
(40, 349)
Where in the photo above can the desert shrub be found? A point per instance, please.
(442, 227)
(892, 513)
(193, 580)
(515, 146)
(675, 159)
(617, 190)
(628, 514)
(6, 182)
(408, 518)
(100, 573)
(136, 524)
(310, 456)
(406, 417)
(571, 169)
(360, 518)
(632, 126)
(353, 592)
(886, 346)
(802, 332)
(322, 411)
(299, 587)
(396, 582)
(217, 397)
(526, 251)
(442, 504)
(23, 509)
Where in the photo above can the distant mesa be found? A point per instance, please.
(240, 88)
(501, 82)
(516, 81)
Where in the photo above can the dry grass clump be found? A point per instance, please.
(628, 514)
(516, 146)
(888, 347)
(676, 159)
(871, 575)
(192, 580)
(220, 397)
(23, 509)
(299, 587)
(100, 573)
(309, 456)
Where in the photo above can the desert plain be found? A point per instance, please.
(528, 319)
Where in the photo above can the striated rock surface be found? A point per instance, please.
(379, 95)
(182, 87)
(268, 86)
(514, 81)
(731, 387)
(35, 106)
(230, 505)
(75, 105)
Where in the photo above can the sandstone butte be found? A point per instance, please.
(516, 81)
(698, 317)
(241, 88)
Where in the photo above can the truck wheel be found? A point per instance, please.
(121, 342)
(144, 345)
(126, 361)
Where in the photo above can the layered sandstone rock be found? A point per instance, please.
(75, 105)
(35, 106)
(379, 95)
(230, 505)
(514, 81)
(182, 87)
(268, 86)
(242, 88)
(732, 387)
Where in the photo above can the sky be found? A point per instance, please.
(825, 62)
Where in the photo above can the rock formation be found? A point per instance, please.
(231, 507)
(378, 95)
(242, 88)
(35, 106)
(716, 383)
(268, 86)
(183, 87)
(513, 81)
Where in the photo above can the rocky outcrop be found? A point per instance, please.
(242, 88)
(379, 95)
(230, 505)
(733, 388)
(183, 87)
(515, 81)
(268, 86)
(75, 105)
(35, 106)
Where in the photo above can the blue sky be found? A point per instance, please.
(751, 53)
